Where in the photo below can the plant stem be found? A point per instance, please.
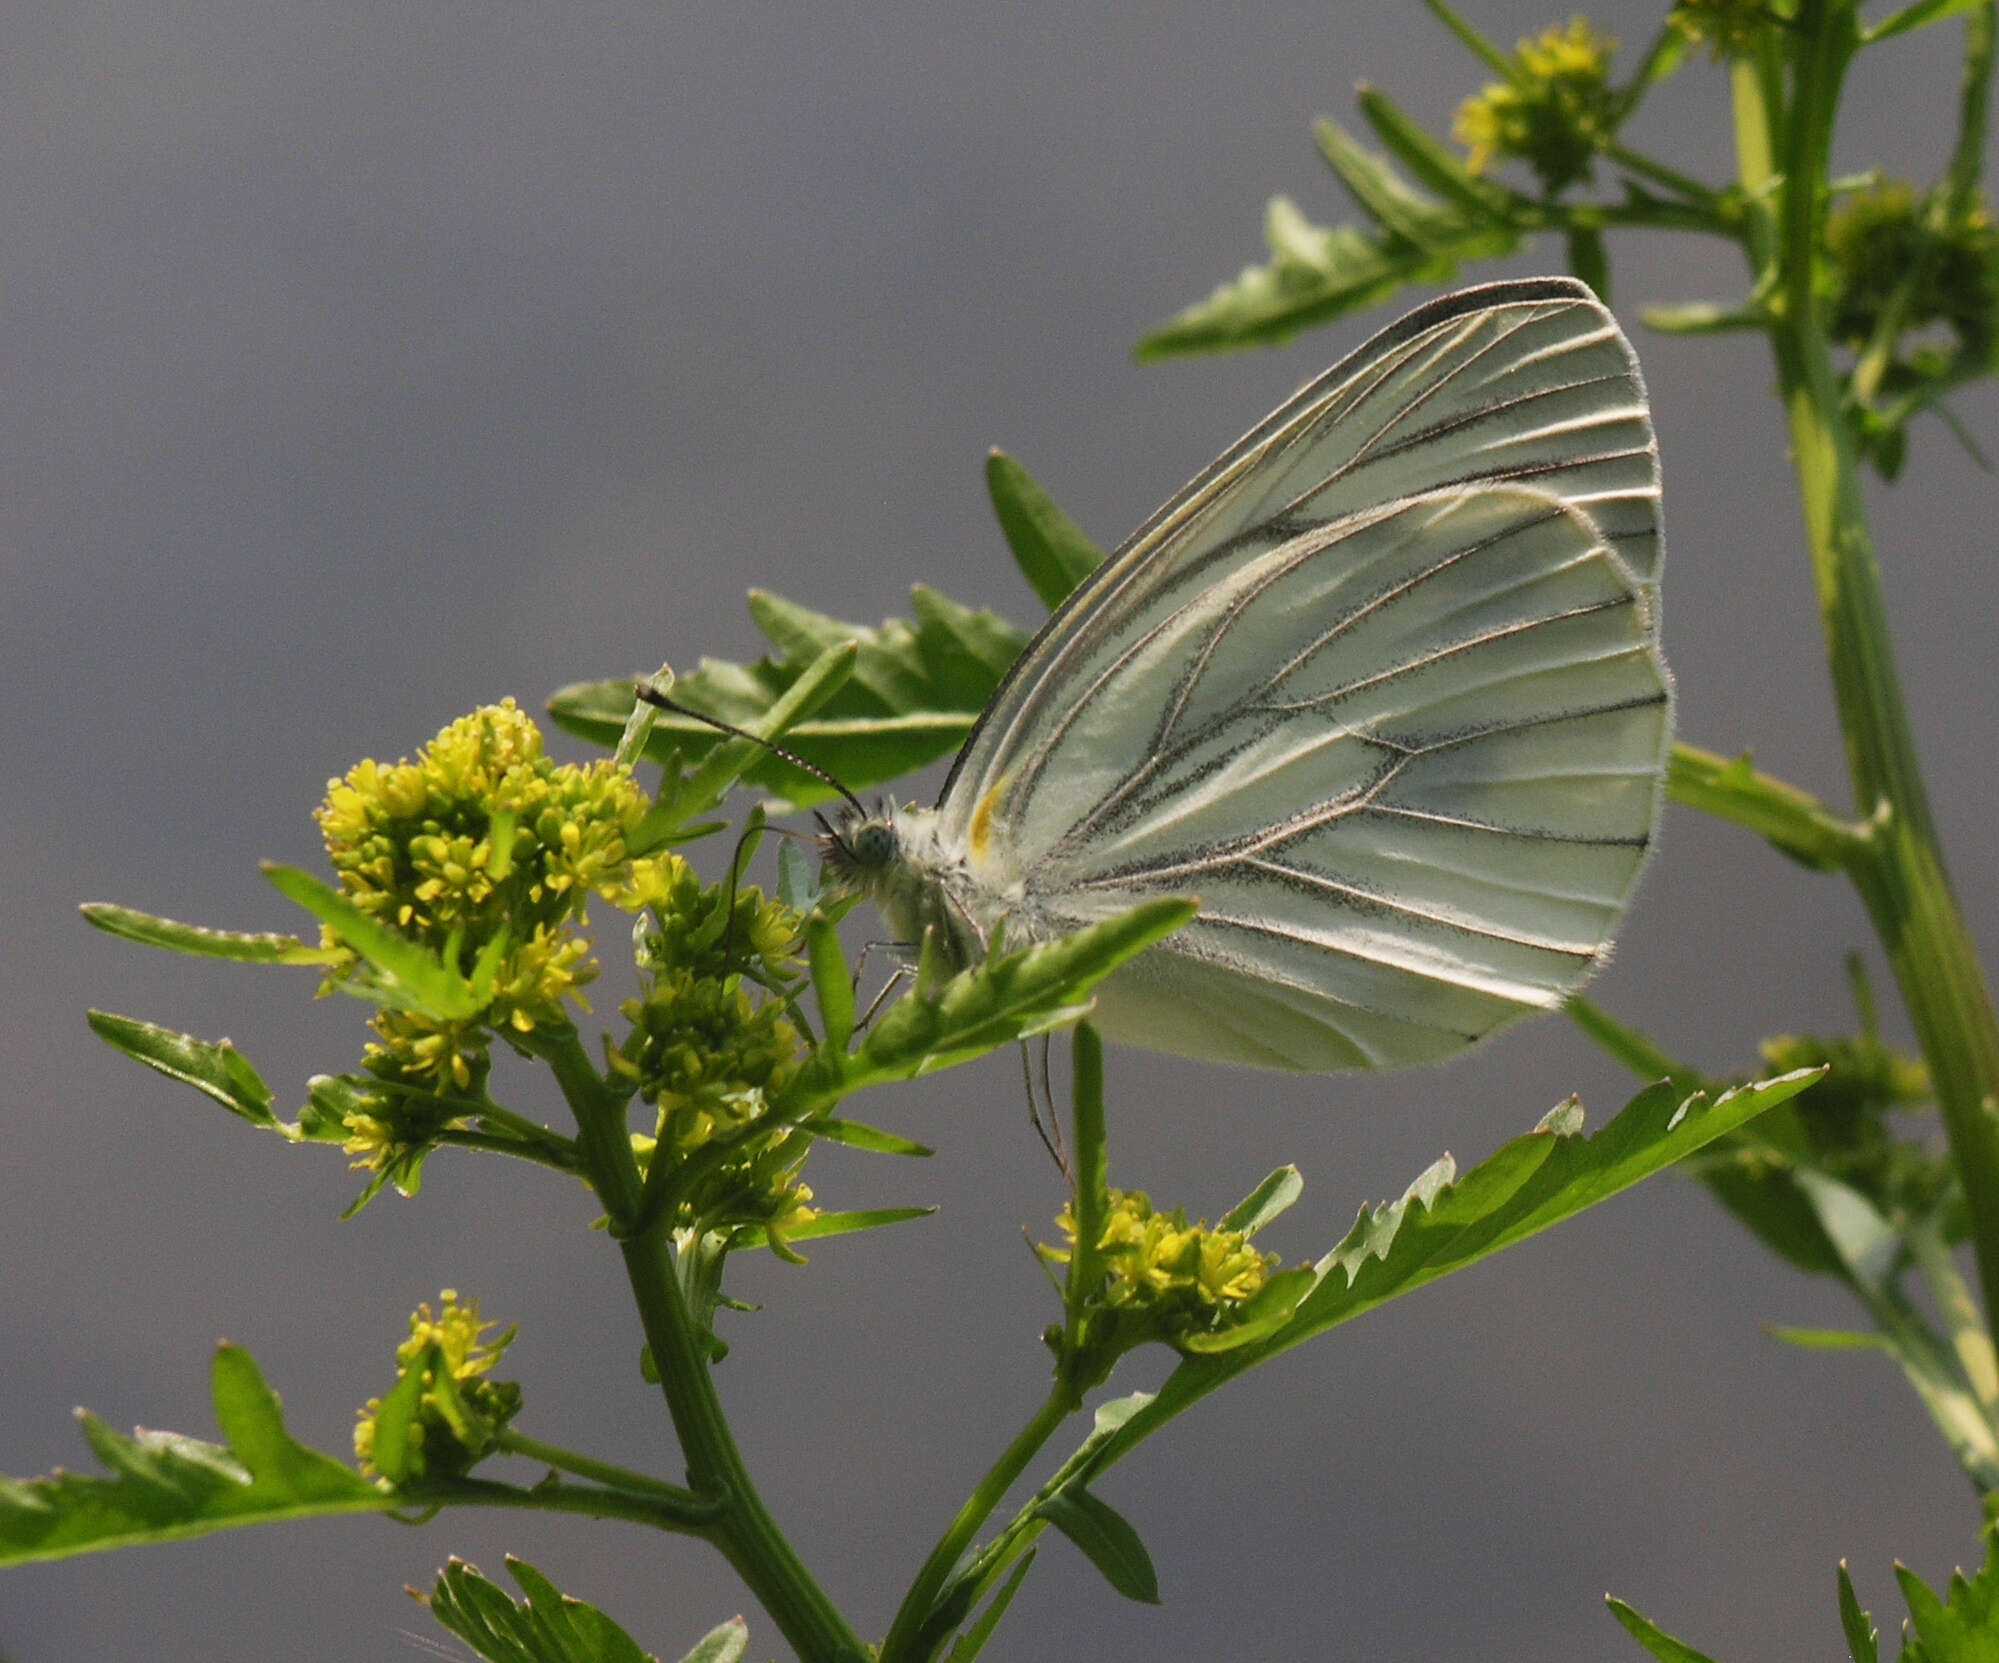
(601, 1472)
(905, 1632)
(1903, 881)
(742, 1527)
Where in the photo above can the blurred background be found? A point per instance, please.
(368, 362)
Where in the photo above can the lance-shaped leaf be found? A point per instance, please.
(404, 974)
(1107, 1539)
(198, 941)
(549, 1626)
(1050, 548)
(164, 1486)
(214, 1068)
(947, 1020)
(916, 688)
(1653, 1638)
(822, 1225)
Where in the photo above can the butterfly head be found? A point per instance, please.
(860, 847)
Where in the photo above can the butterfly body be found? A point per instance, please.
(1381, 689)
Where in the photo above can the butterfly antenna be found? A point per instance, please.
(653, 696)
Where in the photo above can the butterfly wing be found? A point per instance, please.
(1381, 688)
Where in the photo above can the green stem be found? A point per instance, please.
(591, 1503)
(1904, 883)
(906, 1632)
(742, 1527)
(698, 1508)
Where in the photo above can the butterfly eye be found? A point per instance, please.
(873, 844)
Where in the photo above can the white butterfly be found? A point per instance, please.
(1381, 688)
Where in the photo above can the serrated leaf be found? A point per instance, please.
(199, 941)
(913, 695)
(1855, 1624)
(1107, 1539)
(406, 976)
(214, 1068)
(1653, 1638)
(1962, 1628)
(1268, 1200)
(167, 1487)
(1445, 1222)
(1050, 548)
(1316, 273)
(548, 1627)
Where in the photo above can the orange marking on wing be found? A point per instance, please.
(982, 819)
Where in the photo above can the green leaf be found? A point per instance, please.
(1918, 16)
(201, 942)
(973, 1640)
(914, 692)
(1828, 1339)
(871, 1138)
(1703, 317)
(724, 1643)
(1947, 1377)
(393, 1446)
(817, 684)
(1316, 274)
(832, 981)
(548, 1626)
(829, 1224)
(1051, 550)
(1653, 1638)
(1433, 162)
(167, 1487)
(1107, 1540)
(944, 1020)
(1444, 1223)
(1500, 63)
(1964, 1628)
(215, 1069)
(797, 883)
(406, 976)
(1270, 1198)
(1855, 1623)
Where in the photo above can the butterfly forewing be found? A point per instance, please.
(1381, 688)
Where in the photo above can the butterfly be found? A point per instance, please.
(1381, 688)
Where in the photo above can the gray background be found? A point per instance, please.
(366, 362)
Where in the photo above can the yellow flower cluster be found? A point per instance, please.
(462, 1412)
(1167, 1279)
(1551, 113)
(482, 835)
